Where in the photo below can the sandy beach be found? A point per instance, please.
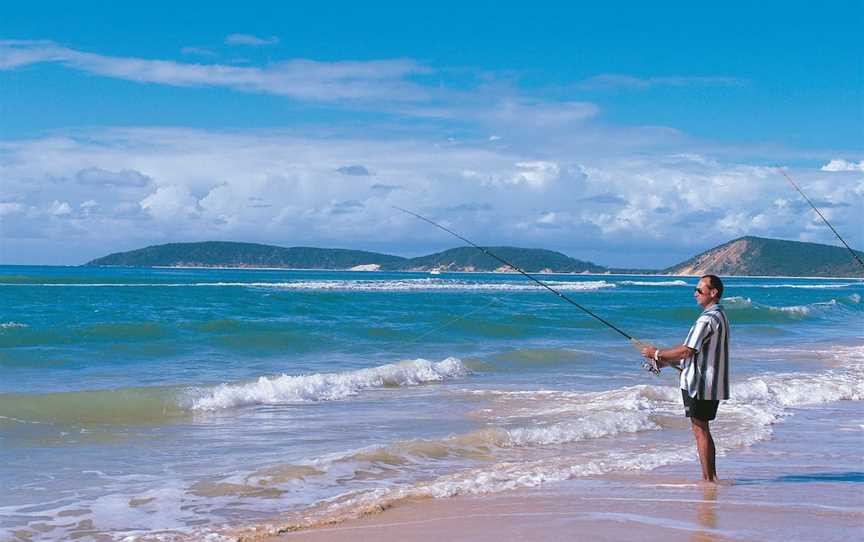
(805, 496)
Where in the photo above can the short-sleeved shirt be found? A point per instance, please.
(705, 372)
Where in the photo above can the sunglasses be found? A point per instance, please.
(699, 291)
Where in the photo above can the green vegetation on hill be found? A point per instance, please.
(743, 256)
(528, 259)
(229, 254)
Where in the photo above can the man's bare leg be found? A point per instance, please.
(705, 447)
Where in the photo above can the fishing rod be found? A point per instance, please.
(635, 342)
(803, 195)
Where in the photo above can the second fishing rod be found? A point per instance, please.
(634, 341)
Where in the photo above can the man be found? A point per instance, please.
(703, 360)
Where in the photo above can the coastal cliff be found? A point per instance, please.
(771, 257)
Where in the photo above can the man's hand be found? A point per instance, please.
(648, 351)
(650, 363)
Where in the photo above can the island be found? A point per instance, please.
(742, 256)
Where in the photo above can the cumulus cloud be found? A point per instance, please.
(169, 202)
(843, 165)
(249, 39)
(161, 185)
(537, 173)
(87, 207)
(60, 208)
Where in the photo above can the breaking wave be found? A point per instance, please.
(744, 304)
(757, 404)
(324, 386)
(164, 404)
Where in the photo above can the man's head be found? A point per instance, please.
(709, 290)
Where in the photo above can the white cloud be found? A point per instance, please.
(89, 207)
(297, 79)
(60, 208)
(843, 165)
(161, 185)
(399, 87)
(169, 202)
(537, 174)
(249, 39)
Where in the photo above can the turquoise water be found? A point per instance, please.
(170, 403)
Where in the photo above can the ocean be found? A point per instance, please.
(190, 404)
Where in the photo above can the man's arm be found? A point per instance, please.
(668, 357)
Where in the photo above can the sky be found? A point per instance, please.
(630, 134)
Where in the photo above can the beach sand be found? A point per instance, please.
(776, 490)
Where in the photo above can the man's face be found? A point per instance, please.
(703, 293)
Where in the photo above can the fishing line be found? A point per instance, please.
(450, 322)
(635, 342)
(788, 178)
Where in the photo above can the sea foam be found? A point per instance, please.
(598, 424)
(431, 285)
(324, 386)
(656, 283)
(828, 286)
(402, 285)
(757, 404)
(738, 303)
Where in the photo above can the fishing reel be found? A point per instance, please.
(651, 366)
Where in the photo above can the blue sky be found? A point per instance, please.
(610, 133)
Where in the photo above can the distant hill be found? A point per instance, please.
(771, 257)
(229, 254)
(528, 259)
(743, 256)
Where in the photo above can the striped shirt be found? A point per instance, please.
(705, 372)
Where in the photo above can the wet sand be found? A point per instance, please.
(804, 484)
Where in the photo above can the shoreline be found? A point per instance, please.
(805, 496)
(490, 272)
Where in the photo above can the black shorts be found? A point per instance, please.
(699, 408)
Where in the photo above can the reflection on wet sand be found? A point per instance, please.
(706, 515)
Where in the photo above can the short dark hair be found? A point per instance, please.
(715, 283)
